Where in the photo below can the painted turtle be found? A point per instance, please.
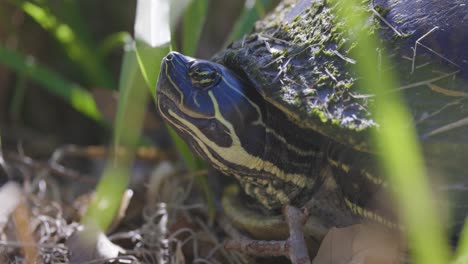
(281, 110)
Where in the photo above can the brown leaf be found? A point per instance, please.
(366, 244)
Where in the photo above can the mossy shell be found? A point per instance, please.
(300, 59)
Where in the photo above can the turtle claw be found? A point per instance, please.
(294, 247)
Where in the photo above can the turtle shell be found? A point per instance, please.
(300, 59)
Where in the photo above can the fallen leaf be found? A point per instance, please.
(360, 244)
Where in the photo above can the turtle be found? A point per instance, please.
(281, 109)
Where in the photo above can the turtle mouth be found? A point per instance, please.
(173, 110)
(166, 102)
(169, 102)
(166, 99)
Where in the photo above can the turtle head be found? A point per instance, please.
(212, 108)
(230, 125)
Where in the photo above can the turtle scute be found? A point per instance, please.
(298, 60)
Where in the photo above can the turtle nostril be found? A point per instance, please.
(169, 57)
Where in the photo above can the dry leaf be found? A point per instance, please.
(10, 195)
(360, 244)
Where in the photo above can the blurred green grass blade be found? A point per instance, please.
(152, 38)
(397, 142)
(70, 13)
(72, 93)
(108, 195)
(252, 11)
(149, 59)
(76, 49)
(260, 7)
(461, 256)
(133, 99)
(113, 41)
(192, 25)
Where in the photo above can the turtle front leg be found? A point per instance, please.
(294, 247)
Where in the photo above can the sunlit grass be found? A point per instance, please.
(133, 99)
(192, 25)
(151, 47)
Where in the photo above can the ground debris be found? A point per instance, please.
(165, 221)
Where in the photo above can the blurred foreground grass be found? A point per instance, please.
(401, 157)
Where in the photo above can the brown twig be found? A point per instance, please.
(54, 168)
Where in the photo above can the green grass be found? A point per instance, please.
(133, 99)
(192, 25)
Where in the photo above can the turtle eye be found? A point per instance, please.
(203, 75)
